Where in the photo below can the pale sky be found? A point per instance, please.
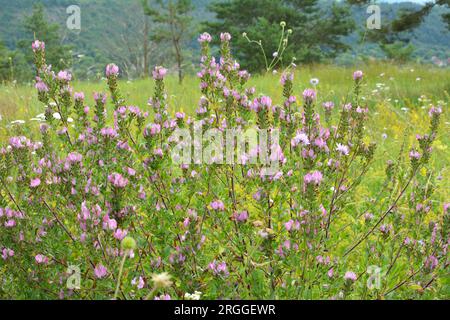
(416, 1)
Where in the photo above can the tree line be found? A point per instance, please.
(311, 31)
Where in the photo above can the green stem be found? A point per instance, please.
(150, 294)
(122, 263)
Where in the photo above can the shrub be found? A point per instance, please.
(104, 195)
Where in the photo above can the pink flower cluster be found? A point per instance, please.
(314, 178)
(117, 180)
(112, 70)
(217, 205)
(159, 73)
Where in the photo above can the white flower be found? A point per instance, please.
(57, 116)
(18, 122)
(161, 280)
(314, 81)
(70, 120)
(275, 54)
(195, 296)
(263, 234)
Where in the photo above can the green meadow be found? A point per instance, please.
(398, 98)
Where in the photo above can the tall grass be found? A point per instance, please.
(395, 94)
(399, 86)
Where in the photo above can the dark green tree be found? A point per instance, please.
(316, 27)
(6, 63)
(13, 66)
(37, 27)
(173, 25)
(398, 51)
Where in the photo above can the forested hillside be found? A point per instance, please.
(113, 30)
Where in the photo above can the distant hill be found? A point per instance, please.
(107, 25)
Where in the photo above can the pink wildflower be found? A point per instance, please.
(350, 276)
(35, 182)
(117, 180)
(314, 177)
(205, 37)
(159, 73)
(41, 259)
(100, 271)
(112, 70)
(342, 149)
(309, 95)
(217, 205)
(357, 75)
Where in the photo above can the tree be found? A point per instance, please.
(407, 20)
(316, 28)
(13, 66)
(397, 51)
(174, 26)
(37, 27)
(133, 52)
(6, 66)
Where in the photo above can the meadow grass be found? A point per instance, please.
(400, 86)
(398, 98)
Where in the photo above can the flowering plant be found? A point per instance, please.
(103, 192)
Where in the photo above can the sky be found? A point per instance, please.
(416, 1)
(394, 1)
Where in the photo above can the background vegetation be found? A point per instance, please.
(118, 30)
